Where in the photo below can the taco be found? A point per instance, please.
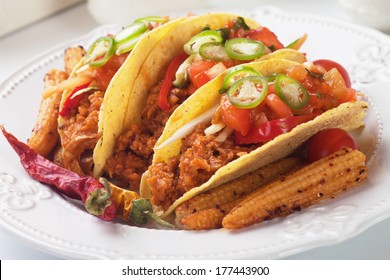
(187, 57)
(213, 138)
(85, 95)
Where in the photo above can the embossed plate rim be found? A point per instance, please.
(79, 235)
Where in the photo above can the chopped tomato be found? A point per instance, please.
(266, 36)
(336, 84)
(298, 73)
(329, 64)
(269, 130)
(231, 63)
(349, 96)
(238, 119)
(104, 74)
(316, 100)
(198, 72)
(329, 141)
(277, 106)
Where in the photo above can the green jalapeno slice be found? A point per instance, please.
(206, 36)
(213, 51)
(244, 49)
(100, 51)
(148, 19)
(130, 32)
(291, 92)
(248, 92)
(128, 45)
(235, 74)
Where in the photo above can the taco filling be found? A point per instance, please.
(206, 55)
(84, 91)
(252, 111)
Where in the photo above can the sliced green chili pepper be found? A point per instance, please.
(206, 36)
(291, 92)
(297, 43)
(272, 77)
(235, 74)
(128, 45)
(153, 19)
(248, 92)
(100, 51)
(292, 44)
(130, 32)
(213, 51)
(181, 76)
(244, 49)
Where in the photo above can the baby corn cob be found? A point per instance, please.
(72, 57)
(315, 182)
(216, 200)
(44, 135)
(210, 218)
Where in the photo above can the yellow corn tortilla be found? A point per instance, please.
(113, 112)
(347, 116)
(126, 95)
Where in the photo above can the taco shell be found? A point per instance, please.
(126, 96)
(347, 116)
(113, 112)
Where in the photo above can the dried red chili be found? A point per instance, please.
(95, 196)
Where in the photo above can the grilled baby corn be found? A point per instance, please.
(44, 135)
(320, 180)
(207, 210)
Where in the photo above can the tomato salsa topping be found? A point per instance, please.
(259, 109)
(211, 52)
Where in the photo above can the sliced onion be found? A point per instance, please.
(224, 134)
(214, 128)
(216, 70)
(67, 84)
(189, 127)
(82, 91)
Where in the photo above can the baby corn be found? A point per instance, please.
(44, 136)
(72, 57)
(218, 201)
(321, 180)
(210, 218)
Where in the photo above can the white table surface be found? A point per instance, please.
(22, 45)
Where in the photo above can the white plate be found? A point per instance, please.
(49, 222)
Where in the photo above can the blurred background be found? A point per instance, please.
(372, 13)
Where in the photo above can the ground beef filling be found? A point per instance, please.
(199, 159)
(80, 133)
(134, 150)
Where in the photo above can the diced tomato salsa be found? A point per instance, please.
(326, 90)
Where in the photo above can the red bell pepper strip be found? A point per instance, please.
(72, 101)
(94, 195)
(166, 86)
(267, 131)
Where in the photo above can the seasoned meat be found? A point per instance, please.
(134, 150)
(201, 156)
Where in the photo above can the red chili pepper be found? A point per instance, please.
(95, 196)
(267, 131)
(168, 80)
(72, 101)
